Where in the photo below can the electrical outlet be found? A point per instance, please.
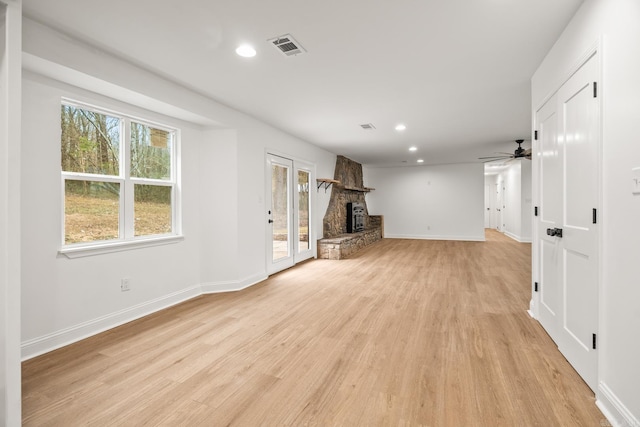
(125, 285)
(635, 181)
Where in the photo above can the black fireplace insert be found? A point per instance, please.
(355, 217)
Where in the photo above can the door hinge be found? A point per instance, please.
(535, 286)
(595, 89)
(594, 341)
(535, 135)
(595, 216)
(535, 211)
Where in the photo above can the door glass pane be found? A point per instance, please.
(303, 211)
(280, 208)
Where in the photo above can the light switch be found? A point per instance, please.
(635, 181)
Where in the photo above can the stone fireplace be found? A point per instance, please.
(349, 190)
(347, 225)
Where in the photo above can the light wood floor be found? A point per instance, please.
(405, 333)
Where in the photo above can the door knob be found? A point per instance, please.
(270, 221)
(554, 232)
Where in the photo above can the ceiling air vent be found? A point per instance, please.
(287, 45)
(367, 126)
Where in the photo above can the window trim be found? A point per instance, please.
(101, 247)
(127, 239)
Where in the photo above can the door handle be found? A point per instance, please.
(554, 232)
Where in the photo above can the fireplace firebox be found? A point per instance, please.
(355, 217)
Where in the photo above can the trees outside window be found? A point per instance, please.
(119, 176)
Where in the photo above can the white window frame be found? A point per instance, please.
(127, 239)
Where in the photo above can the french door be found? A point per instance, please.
(290, 237)
(567, 155)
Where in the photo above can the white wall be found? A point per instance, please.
(219, 205)
(616, 23)
(60, 293)
(429, 202)
(223, 191)
(10, 64)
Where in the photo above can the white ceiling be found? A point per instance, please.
(456, 72)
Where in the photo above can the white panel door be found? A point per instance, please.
(500, 206)
(549, 217)
(567, 158)
(579, 134)
(487, 205)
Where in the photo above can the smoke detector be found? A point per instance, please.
(287, 45)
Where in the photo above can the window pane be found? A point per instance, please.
(150, 152)
(90, 142)
(91, 211)
(303, 210)
(152, 210)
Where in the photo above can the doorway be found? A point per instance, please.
(290, 234)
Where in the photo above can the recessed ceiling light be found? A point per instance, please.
(413, 148)
(420, 161)
(400, 127)
(246, 51)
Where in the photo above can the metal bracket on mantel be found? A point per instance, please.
(326, 183)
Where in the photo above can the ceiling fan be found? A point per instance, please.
(519, 153)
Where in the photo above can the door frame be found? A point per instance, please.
(310, 167)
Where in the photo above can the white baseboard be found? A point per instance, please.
(232, 286)
(613, 409)
(532, 309)
(40, 345)
(435, 237)
(518, 238)
(44, 344)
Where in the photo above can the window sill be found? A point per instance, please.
(109, 247)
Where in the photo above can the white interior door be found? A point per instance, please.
(494, 206)
(549, 217)
(487, 205)
(500, 205)
(568, 162)
(579, 133)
